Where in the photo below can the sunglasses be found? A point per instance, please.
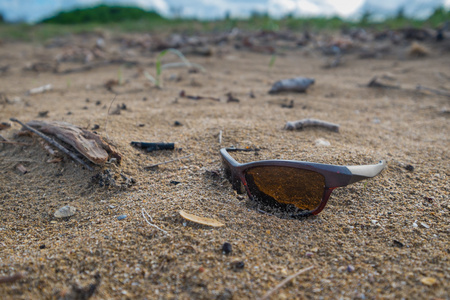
(297, 187)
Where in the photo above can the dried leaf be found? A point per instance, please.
(200, 220)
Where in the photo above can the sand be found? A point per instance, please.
(384, 238)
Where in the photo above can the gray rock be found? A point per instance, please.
(298, 84)
(65, 211)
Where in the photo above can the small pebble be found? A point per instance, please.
(226, 248)
(350, 268)
(121, 217)
(65, 212)
(322, 142)
(43, 114)
(238, 265)
(42, 246)
(177, 123)
(398, 244)
(409, 168)
(309, 254)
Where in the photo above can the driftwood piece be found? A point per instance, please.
(89, 144)
(434, 91)
(54, 143)
(301, 124)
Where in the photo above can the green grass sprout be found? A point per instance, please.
(157, 80)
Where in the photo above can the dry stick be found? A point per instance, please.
(300, 124)
(168, 161)
(12, 278)
(54, 143)
(435, 91)
(280, 285)
(151, 219)
(220, 137)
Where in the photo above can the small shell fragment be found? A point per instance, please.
(21, 169)
(65, 212)
(200, 220)
(430, 281)
(121, 217)
(322, 142)
(298, 84)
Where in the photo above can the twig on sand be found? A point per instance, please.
(184, 95)
(435, 91)
(220, 137)
(301, 124)
(12, 278)
(168, 161)
(151, 219)
(54, 143)
(100, 64)
(281, 284)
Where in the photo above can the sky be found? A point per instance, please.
(35, 10)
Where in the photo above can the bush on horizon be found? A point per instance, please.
(102, 14)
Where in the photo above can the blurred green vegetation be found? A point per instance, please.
(120, 19)
(102, 14)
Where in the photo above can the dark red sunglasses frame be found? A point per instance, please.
(335, 176)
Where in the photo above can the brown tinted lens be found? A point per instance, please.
(301, 188)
